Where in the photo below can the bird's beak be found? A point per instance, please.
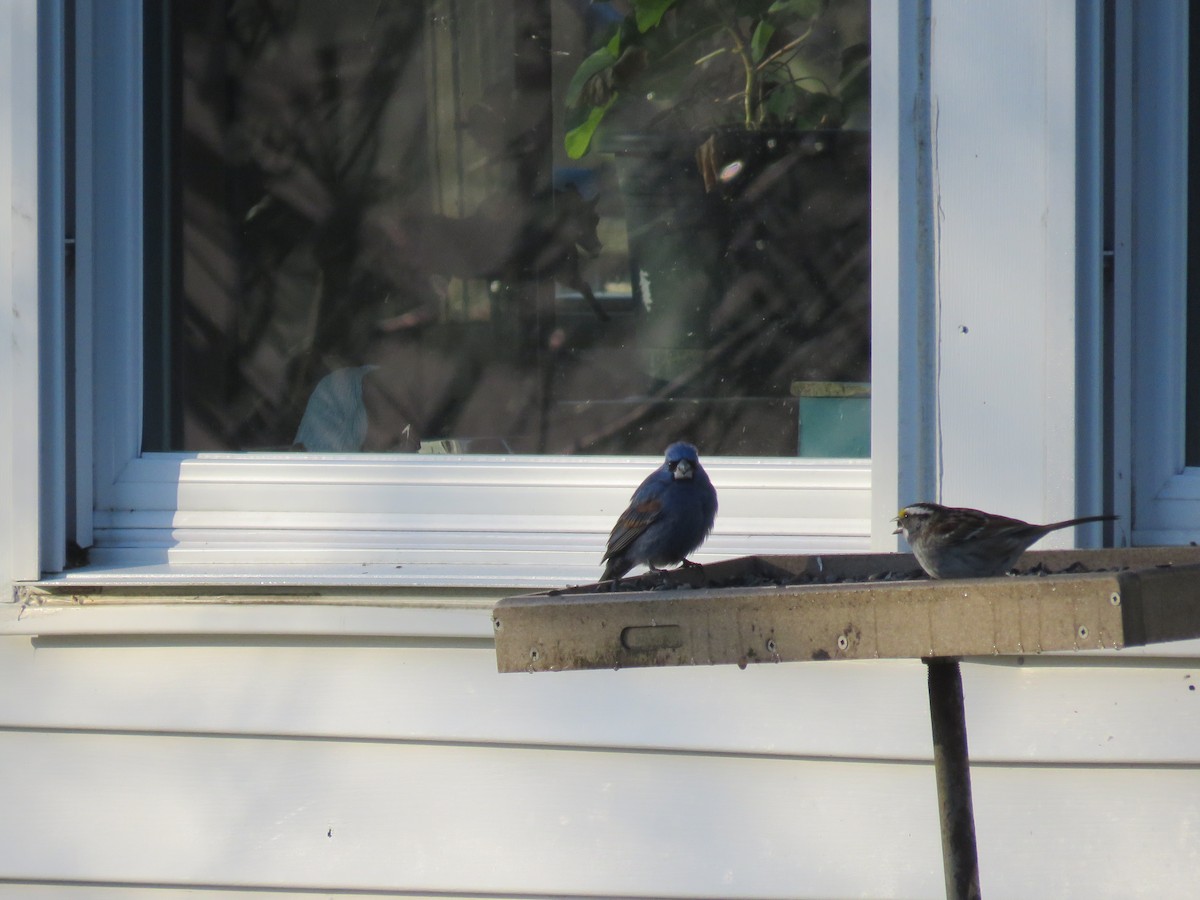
(683, 469)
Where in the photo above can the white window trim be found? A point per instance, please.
(20, 423)
(988, 306)
(242, 517)
(1011, 314)
(902, 264)
(1150, 262)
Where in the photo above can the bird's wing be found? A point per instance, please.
(633, 521)
(975, 524)
(970, 524)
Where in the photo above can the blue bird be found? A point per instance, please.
(669, 516)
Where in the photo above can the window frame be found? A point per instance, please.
(1152, 484)
(915, 291)
(200, 515)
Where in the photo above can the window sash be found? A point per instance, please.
(1150, 264)
(499, 519)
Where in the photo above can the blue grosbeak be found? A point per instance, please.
(669, 516)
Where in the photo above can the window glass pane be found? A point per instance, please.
(516, 226)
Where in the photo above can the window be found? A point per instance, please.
(378, 239)
(368, 306)
(1153, 282)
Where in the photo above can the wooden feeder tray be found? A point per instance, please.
(865, 606)
(854, 606)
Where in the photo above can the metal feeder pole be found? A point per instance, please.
(952, 768)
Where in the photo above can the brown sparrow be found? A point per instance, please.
(956, 542)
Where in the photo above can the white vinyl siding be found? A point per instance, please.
(409, 764)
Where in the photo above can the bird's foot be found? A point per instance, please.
(664, 577)
(688, 564)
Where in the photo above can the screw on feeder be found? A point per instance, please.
(1114, 598)
(770, 645)
(533, 654)
(1083, 632)
(842, 642)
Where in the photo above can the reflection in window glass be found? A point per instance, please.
(530, 226)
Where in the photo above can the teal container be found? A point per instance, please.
(835, 419)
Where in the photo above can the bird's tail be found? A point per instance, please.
(1080, 521)
(615, 568)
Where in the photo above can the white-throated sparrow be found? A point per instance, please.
(956, 542)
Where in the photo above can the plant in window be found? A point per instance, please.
(711, 67)
(738, 131)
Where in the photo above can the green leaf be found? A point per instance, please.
(579, 139)
(602, 59)
(650, 12)
(778, 104)
(763, 33)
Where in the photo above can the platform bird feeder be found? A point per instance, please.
(773, 609)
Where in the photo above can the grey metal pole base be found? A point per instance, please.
(951, 764)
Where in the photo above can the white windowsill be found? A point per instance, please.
(314, 601)
(387, 600)
(234, 615)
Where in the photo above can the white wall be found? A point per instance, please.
(409, 764)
